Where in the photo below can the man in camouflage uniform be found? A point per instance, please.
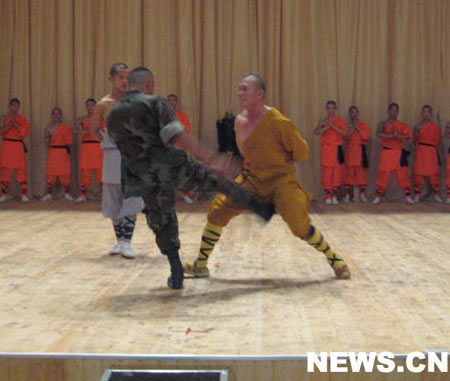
(144, 129)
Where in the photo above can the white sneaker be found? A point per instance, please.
(127, 251)
(334, 201)
(187, 199)
(376, 200)
(438, 198)
(116, 249)
(24, 198)
(409, 200)
(364, 197)
(80, 199)
(5, 197)
(346, 198)
(328, 201)
(416, 199)
(47, 197)
(68, 197)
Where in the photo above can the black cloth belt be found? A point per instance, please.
(364, 159)
(340, 155)
(90, 141)
(404, 158)
(25, 149)
(67, 148)
(427, 144)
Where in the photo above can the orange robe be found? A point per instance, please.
(392, 147)
(330, 142)
(91, 158)
(390, 158)
(58, 161)
(12, 154)
(184, 120)
(447, 177)
(91, 155)
(426, 161)
(355, 172)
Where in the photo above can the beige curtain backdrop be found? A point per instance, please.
(363, 52)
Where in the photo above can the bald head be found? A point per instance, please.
(142, 79)
(258, 81)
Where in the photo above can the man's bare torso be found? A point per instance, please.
(244, 127)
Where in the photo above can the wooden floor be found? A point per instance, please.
(269, 293)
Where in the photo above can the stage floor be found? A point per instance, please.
(268, 294)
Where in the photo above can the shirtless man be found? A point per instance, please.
(121, 211)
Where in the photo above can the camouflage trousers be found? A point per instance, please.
(187, 175)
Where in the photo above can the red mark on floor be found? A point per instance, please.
(189, 330)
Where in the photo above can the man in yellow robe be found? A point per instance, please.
(270, 144)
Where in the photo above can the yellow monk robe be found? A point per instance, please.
(269, 172)
(12, 155)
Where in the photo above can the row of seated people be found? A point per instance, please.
(14, 128)
(349, 166)
(339, 166)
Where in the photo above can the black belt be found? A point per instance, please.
(67, 148)
(18, 140)
(427, 144)
(90, 141)
(364, 159)
(340, 155)
(404, 158)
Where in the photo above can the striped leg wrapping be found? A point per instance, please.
(316, 240)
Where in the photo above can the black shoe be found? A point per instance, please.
(175, 281)
(263, 209)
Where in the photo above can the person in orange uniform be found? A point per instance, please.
(332, 131)
(427, 139)
(181, 116)
(14, 128)
(356, 162)
(271, 144)
(394, 135)
(91, 154)
(58, 137)
(188, 197)
(447, 174)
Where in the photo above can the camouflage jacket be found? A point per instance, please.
(142, 126)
